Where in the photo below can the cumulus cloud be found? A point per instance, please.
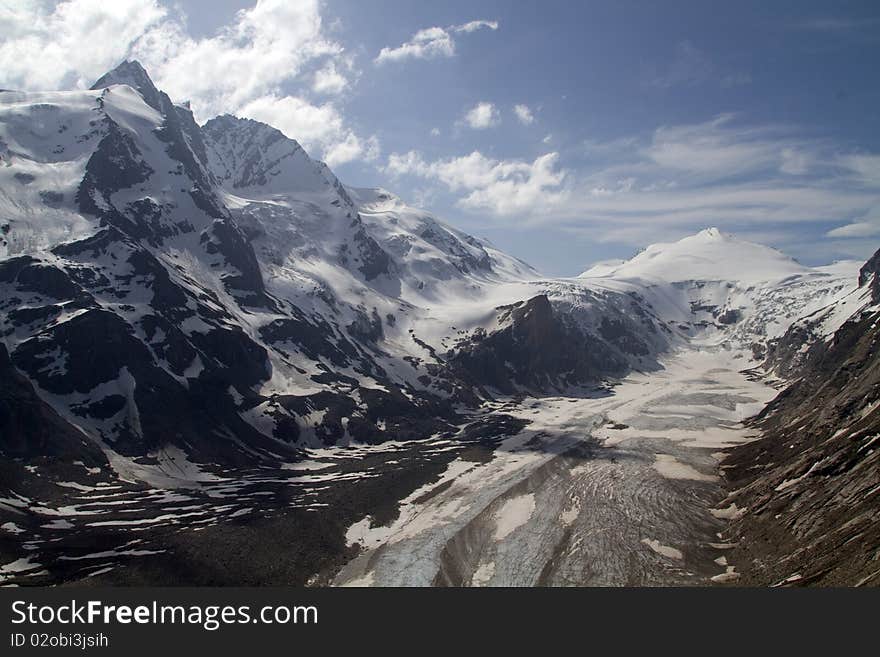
(351, 148)
(425, 44)
(264, 46)
(329, 80)
(502, 187)
(524, 114)
(481, 116)
(432, 42)
(69, 44)
(246, 67)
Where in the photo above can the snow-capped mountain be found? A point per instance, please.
(207, 308)
(231, 279)
(242, 279)
(710, 255)
(217, 275)
(729, 291)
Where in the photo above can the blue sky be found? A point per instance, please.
(565, 132)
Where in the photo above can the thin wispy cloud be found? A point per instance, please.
(691, 66)
(432, 42)
(833, 24)
(722, 171)
(675, 180)
(473, 26)
(718, 148)
(864, 167)
(866, 226)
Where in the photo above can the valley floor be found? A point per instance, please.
(620, 487)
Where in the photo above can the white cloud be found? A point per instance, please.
(795, 162)
(524, 114)
(435, 132)
(473, 26)
(431, 42)
(635, 197)
(866, 226)
(723, 148)
(864, 167)
(502, 187)
(245, 68)
(481, 116)
(271, 43)
(425, 44)
(857, 229)
(351, 148)
(329, 80)
(69, 44)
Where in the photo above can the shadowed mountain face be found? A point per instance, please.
(209, 311)
(537, 347)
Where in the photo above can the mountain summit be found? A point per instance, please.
(131, 72)
(707, 255)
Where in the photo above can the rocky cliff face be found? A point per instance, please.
(538, 346)
(868, 276)
(808, 492)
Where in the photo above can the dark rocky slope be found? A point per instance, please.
(808, 492)
(539, 347)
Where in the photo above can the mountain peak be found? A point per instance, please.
(238, 127)
(711, 233)
(131, 72)
(707, 255)
(245, 153)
